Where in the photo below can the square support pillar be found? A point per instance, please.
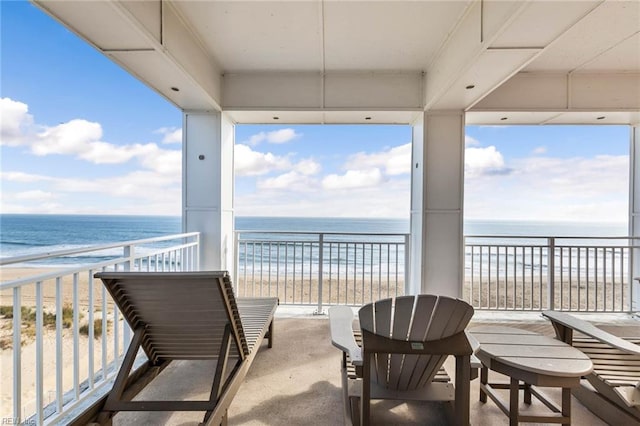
(437, 185)
(207, 195)
(634, 217)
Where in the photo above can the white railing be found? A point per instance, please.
(590, 274)
(587, 274)
(325, 268)
(68, 337)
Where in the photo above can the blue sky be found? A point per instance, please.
(80, 135)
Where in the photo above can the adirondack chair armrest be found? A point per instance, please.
(341, 323)
(571, 322)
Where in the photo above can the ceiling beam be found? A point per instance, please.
(323, 91)
(565, 92)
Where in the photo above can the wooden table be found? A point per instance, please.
(534, 360)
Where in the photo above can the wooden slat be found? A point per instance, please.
(459, 315)
(423, 312)
(382, 316)
(402, 321)
(589, 329)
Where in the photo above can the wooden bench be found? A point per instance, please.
(611, 390)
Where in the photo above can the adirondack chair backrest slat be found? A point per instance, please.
(412, 318)
(423, 311)
(382, 317)
(401, 326)
(450, 316)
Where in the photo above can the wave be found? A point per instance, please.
(21, 243)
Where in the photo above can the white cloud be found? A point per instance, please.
(547, 188)
(479, 161)
(170, 135)
(290, 181)
(15, 121)
(389, 199)
(253, 163)
(82, 139)
(470, 141)
(155, 188)
(35, 195)
(308, 167)
(79, 138)
(23, 177)
(540, 150)
(74, 137)
(167, 162)
(276, 137)
(395, 161)
(353, 179)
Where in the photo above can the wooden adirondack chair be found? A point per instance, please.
(184, 316)
(612, 390)
(404, 343)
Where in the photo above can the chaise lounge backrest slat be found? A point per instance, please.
(184, 329)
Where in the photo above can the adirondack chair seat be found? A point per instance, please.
(399, 351)
(184, 316)
(612, 390)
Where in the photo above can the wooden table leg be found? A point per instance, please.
(514, 391)
(566, 405)
(484, 376)
(527, 393)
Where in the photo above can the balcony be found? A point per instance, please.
(75, 350)
(297, 382)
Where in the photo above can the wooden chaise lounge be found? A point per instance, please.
(611, 391)
(184, 316)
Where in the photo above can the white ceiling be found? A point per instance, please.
(297, 53)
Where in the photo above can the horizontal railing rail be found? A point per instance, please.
(67, 337)
(321, 268)
(533, 273)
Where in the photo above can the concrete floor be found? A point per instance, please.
(297, 382)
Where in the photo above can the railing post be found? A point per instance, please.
(320, 272)
(196, 265)
(129, 254)
(551, 272)
(17, 352)
(631, 268)
(407, 264)
(236, 260)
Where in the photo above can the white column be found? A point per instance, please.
(207, 191)
(634, 212)
(437, 262)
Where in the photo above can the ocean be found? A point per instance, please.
(28, 234)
